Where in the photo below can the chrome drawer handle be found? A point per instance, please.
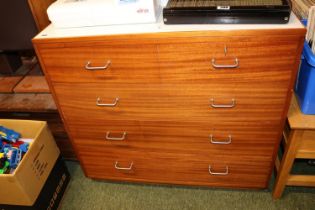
(233, 104)
(218, 66)
(123, 168)
(108, 137)
(91, 68)
(213, 141)
(226, 172)
(98, 102)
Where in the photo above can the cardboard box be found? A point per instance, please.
(52, 192)
(25, 184)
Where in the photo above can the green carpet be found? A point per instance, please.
(86, 194)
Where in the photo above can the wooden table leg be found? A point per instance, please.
(287, 162)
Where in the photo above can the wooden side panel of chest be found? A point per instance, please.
(204, 110)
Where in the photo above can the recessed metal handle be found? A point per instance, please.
(226, 172)
(225, 66)
(98, 102)
(227, 141)
(93, 68)
(233, 104)
(123, 168)
(108, 137)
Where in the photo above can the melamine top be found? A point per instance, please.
(159, 26)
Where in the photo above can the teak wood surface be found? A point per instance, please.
(172, 102)
(166, 87)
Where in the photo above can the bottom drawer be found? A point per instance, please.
(187, 169)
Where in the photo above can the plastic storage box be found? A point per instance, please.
(305, 86)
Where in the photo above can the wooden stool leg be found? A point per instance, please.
(287, 162)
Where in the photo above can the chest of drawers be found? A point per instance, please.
(202, 107)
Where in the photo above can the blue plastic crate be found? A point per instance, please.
(305, 86)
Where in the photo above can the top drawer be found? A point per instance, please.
(101, 63)
(205, 59)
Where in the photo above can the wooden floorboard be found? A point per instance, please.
(27, 102)
(32, 84)
(8, 83)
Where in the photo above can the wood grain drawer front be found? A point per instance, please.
(255, 61)
(142, 165)
(181, 137)
(113, 132)
(230, 139)
(120, 63)
(227, 171)
(172, 103)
